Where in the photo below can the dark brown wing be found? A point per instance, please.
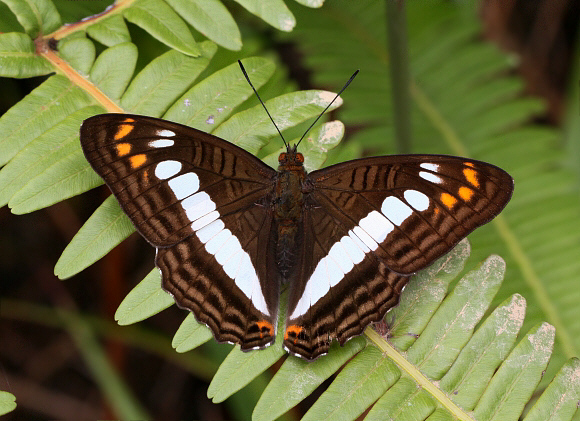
(203, 203)
(325, 303)
(368, 225)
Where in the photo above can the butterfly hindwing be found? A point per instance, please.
(203, 203)
(372, 223)
(349, 289)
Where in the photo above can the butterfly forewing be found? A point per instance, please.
(203, 203)
(372, 223)
(414, 207)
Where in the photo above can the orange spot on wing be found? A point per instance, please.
(146, 176)
(128, 120)
(465, 193)
(294, 329)
(437, 211)
(468, 164)
(123, 148)
(264, 324)
(448, 200)
(137, 160)
(471, 176)
(124, 130)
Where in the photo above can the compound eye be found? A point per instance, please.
(299, 158)
(282, 157)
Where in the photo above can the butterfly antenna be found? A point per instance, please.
(328, 106)
(262, 102)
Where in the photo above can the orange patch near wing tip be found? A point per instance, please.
(128, 120)
(448, 200)
(471, 176)
(465, 193)
(137, 160)
(123, 148)
(124, 130)
(295, 329)
(469, 164)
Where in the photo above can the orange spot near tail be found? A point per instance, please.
(137, 160)
(448, 200)
(292, 329)
(465, 193)
(123, 149)
(267, 325)
(124, 130)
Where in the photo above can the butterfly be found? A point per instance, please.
(230, 231)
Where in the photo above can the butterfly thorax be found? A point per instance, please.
(288, 206)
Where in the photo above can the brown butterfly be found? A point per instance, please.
(230, 230)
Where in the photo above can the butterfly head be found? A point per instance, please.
(290, 158)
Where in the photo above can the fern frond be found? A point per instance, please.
(436, 362)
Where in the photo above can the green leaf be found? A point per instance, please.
(190, 335)
(297, 378)
(18, 57)
(240, 368)
(164, 79)
(356, 387)
(440, 415)
(518, 376)
(43, 108)
(110, 31)
(37, 17)
(251, 129)
(480, 358)
(212, 100)
(559, 402)
(7, 402)
(429, 287)
(114, 69)
(145, 300)
(310, 3)
(106, 228)
(157, 18)
(40, 154)
(452, 324)
(273, 12)
(67, 177)
(79, 52)
(404, 401)
(212, 19)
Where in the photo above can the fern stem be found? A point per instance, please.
(400, 81)
(412, 371)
